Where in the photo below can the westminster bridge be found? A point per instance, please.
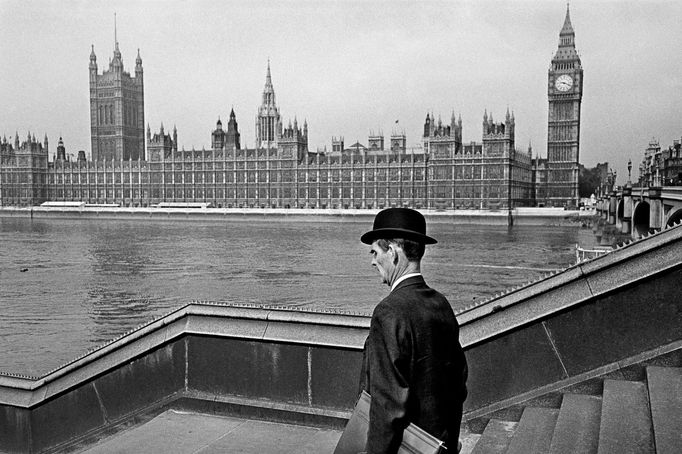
(637, 211)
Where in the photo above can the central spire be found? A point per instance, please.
(268, 91)
(268, 125)
(115, 35)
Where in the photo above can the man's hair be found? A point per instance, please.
(414, 251)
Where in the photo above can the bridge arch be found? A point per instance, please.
(674, 218)
(640, 219)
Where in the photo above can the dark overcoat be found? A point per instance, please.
(413, 367)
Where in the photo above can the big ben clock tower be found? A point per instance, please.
(565, 92)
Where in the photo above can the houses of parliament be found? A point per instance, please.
(133, 167)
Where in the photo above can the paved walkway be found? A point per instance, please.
(176, 432)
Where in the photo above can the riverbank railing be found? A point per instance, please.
(582, 254)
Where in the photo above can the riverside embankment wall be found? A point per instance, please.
(520, 216)
(586, 321)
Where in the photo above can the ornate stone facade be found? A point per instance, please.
(660, 166)
(487, 175)
(444, 174)
(23, 171)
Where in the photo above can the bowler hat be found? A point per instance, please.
(398, 223)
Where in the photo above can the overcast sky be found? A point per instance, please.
(349, 67)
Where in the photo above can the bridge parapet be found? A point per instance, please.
(639, 211)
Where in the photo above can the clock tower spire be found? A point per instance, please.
(565, 92)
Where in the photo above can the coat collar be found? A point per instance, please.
(419, 279)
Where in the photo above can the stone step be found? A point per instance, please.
(625, 419)
(469, 443)
(533, 434)
(665, 394)
(495, 437)
(577, 428)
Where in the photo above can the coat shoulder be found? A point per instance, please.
(400, 303)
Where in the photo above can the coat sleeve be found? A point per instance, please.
(388, 350)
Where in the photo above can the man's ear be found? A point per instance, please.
(394, 251)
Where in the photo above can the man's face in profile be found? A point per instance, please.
(383, 262)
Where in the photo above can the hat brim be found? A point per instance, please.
(373, 235)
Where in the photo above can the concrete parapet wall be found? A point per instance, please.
(593, 314)
(306, 365)
(291, 362)
(568, 344)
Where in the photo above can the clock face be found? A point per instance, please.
(563, 82)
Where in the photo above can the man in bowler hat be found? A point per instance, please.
(413, 366)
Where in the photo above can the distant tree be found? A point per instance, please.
(588, 181)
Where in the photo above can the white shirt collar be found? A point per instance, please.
(402, 278)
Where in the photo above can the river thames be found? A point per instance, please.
(67, 286)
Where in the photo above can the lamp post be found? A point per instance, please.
(628, 209)
(611, 218)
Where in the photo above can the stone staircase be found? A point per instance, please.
(628, 417)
